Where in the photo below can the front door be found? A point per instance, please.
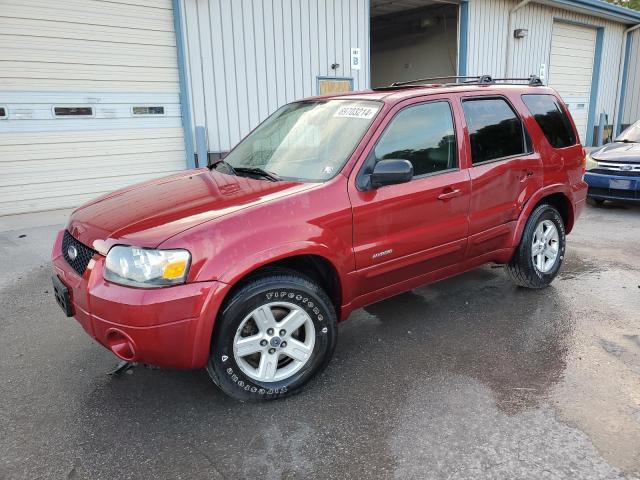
(403, 231)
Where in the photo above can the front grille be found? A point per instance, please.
(84, 253)
(617, 173)
(614, 192)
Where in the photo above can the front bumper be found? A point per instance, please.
(167, 327)
(613, 187)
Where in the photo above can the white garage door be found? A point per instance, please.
(570, 68)
(91, 95)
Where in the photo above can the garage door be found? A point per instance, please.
(570, 69)
(91, 100)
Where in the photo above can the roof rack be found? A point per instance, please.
(532, 80)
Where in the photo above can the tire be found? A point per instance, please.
(290, 298)
(597, 202)
(522, 268)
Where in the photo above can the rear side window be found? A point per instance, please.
(552, 119)
(495, 131)
(422, 134)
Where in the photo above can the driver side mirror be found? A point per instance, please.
(390, 172)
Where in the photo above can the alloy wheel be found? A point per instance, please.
(274, 341)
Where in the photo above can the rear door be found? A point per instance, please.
(505, 171)
(403, 231)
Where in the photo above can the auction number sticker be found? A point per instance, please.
(353, 111)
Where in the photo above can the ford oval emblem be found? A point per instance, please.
(72, 252)
(626, 168)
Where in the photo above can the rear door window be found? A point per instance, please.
(552, 119)
(495, 131)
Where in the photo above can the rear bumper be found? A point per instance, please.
(613, 187)
(167, 327)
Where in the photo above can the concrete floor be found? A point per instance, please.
(469, 378)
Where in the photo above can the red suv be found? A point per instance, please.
(331, 204)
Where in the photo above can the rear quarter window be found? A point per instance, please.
(551, 118)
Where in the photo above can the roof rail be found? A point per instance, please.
(466, 78)
(532, 80)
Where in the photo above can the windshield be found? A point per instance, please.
(630, 134)
(309, 140)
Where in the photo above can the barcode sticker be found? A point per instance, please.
(356, 112)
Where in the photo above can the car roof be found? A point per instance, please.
(397, 94)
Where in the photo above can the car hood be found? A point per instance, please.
(149, 213)
(618, 152)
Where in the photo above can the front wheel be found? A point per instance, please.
(274, 334)
(539, 256)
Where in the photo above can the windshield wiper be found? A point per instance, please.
(228, 166)
(258, 171)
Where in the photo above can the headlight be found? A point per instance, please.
(591, 163)
(146, 268)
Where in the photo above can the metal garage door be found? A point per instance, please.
(570, 69)
(92, 98)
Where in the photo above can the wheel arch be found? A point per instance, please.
(312, 265)
(556, 196)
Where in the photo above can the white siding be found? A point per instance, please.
(631, 112)
(247, 58)
(109, 55)
(488, 23)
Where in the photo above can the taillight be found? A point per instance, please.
(584, 161)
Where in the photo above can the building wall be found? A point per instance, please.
(247, 58)
(487, 35)
(631, 111)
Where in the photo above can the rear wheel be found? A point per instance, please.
(598, 202)
(272, 337)
(539, 256)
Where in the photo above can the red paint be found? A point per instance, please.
(429, 229)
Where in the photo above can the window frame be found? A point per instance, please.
(53, 111)
(369, 162)
(563, 109)
(525, 132)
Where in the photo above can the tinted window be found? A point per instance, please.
(495, 131)
(422, 134)
(552, 119)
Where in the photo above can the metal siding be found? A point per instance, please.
(246, 58)
(107, 54)
(106, 59)
(488, 23)
(51, 170)
(631, 112)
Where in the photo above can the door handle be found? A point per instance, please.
(446, 195)
(525, 175)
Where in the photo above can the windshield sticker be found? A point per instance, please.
(356, 112)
